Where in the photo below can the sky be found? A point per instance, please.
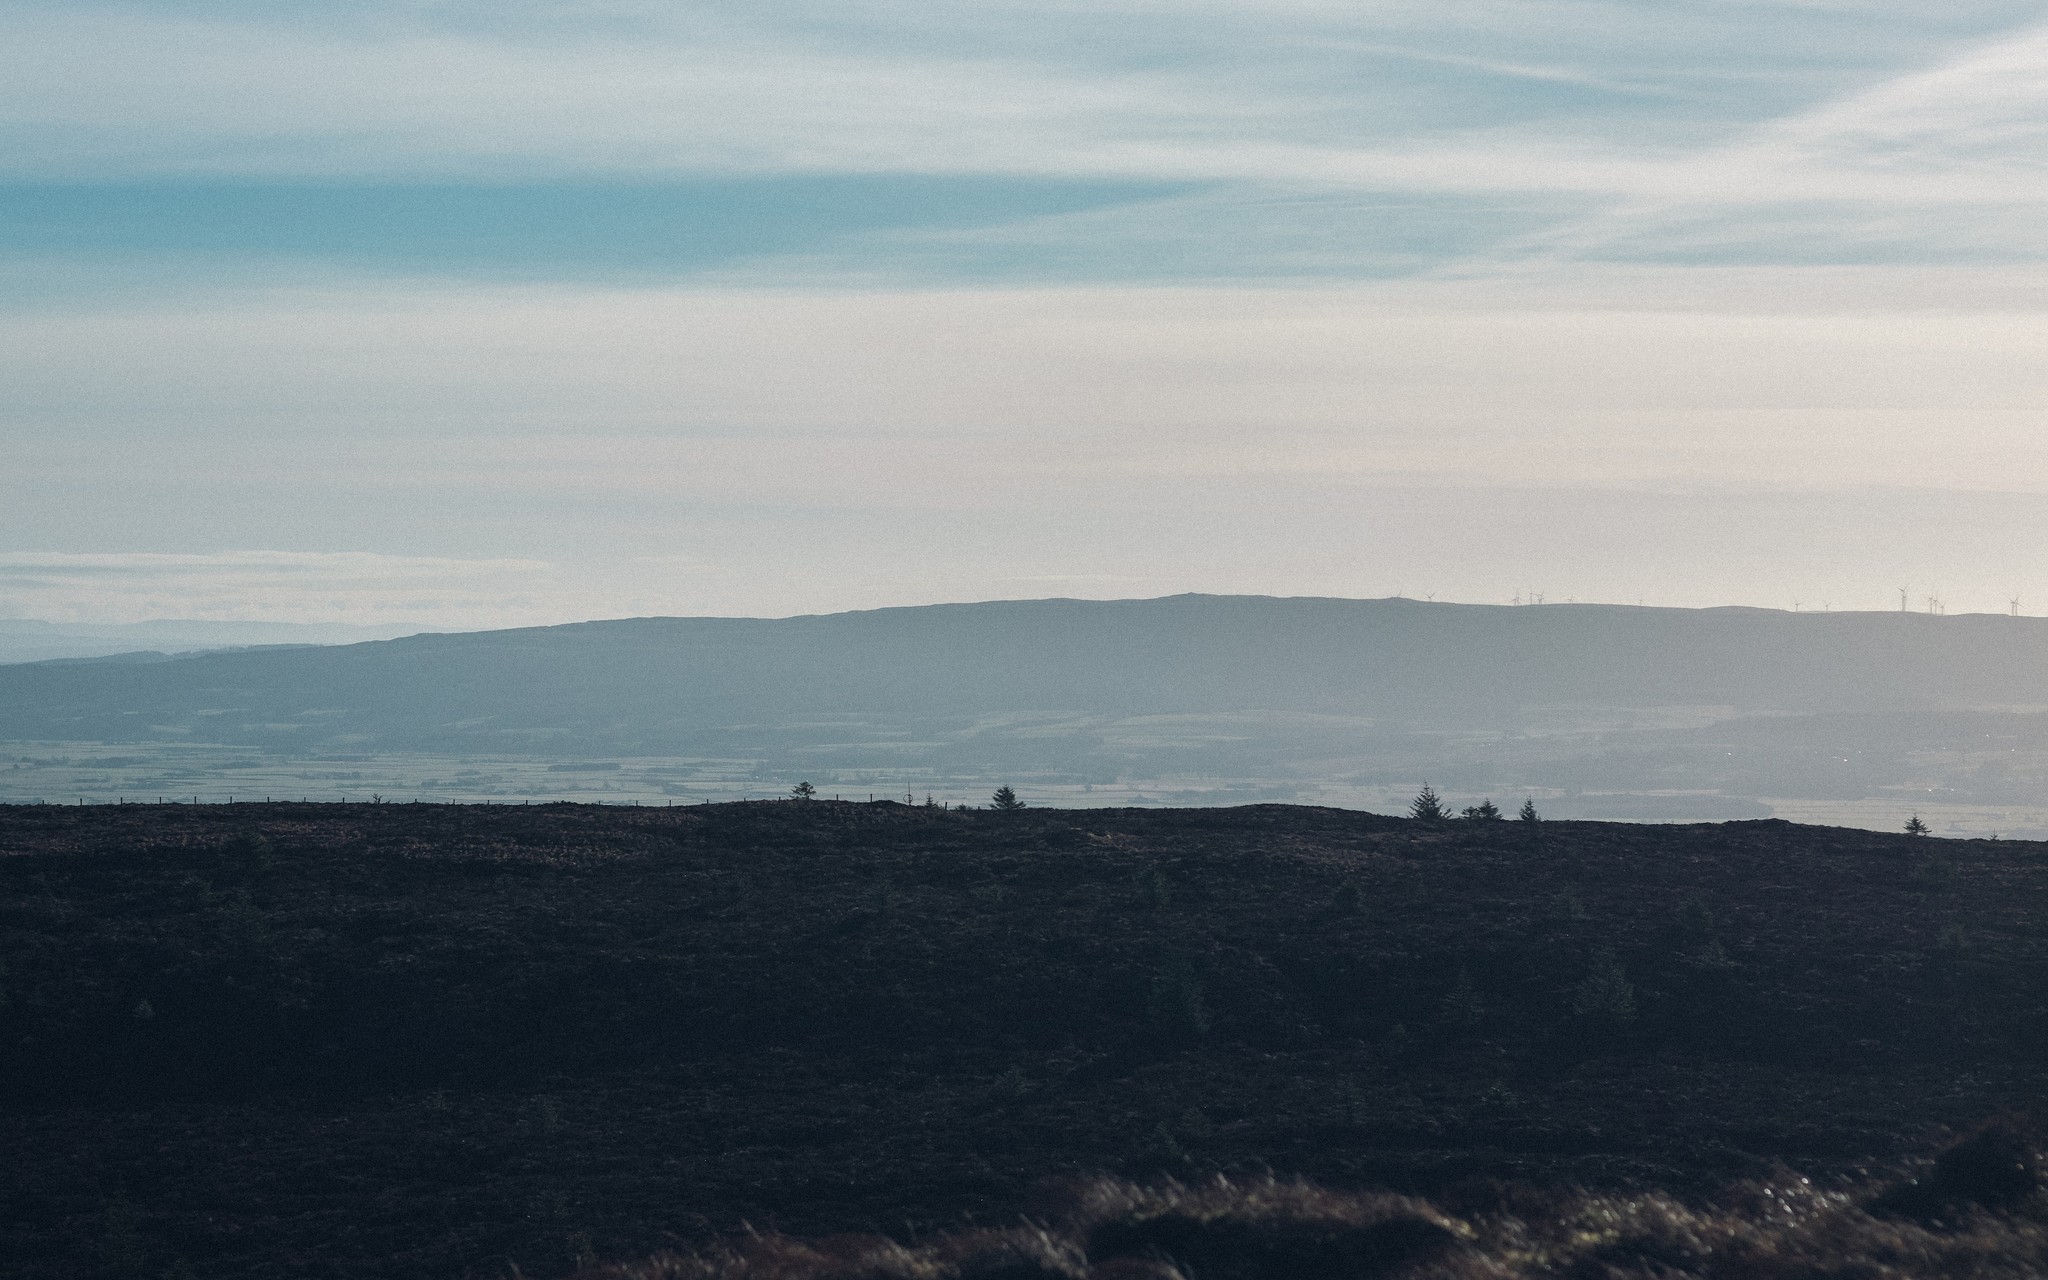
(469, 315)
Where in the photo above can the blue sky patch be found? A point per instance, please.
(543, 230)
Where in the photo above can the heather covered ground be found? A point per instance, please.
(428, 1040)
(1976, 1210)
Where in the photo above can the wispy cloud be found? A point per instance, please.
(1140, 90)
(1815, 112)
(1942, 163)
(91, 93)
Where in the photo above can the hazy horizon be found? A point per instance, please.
(391, 626)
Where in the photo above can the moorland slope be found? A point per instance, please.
(423, 1040)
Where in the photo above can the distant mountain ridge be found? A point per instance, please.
(35, 640)
(685, 684)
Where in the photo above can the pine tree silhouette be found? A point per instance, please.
(1427, 807)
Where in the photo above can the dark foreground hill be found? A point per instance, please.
(682, 685)
(409, 1040)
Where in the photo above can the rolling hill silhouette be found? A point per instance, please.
(681, 684)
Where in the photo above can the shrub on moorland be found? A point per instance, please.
(1605, 995)
(1462, 1008)
(1995, 1166)
(1174, 1008)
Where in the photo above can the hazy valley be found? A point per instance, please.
(1596, 711)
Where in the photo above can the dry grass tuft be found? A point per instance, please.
(1976, 1212)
